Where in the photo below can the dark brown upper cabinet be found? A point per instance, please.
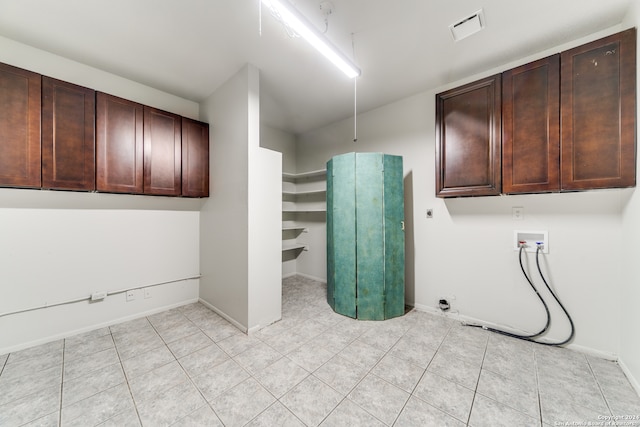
(195, 158)
(57, 135)
(568, 124)
(599, 113)
(531, 127)
(162, 152)
(119, 145)
(68, 136)
(468, 121)
(20, 120)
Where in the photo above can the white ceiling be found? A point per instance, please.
(190, 47)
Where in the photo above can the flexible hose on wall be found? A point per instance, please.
(573, 329)
(532, 336)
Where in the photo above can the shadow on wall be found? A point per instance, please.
(409, 244)
(581, 203)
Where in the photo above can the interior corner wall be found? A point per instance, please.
(224, 215)
(466, 252)
(57, 246)
(630, 298)
(284, 142)
(240, 222)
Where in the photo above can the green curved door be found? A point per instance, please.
(365, 235)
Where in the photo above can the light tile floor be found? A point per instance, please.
(189, 367)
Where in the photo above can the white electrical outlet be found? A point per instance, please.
(131, 295)
(446, 304)
(518, 213)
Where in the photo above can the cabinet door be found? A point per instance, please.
(119, 145)
(468, 139)
(394, 259)
(369, 242)
(162, 152)
(195, 158)
(341, 234)
(531, 127)
(68, 136)
(598, 113)
(20, 96)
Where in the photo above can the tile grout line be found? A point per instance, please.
(475, 390)
(230, 357)
(327, 328)
(495, 372)
(126, 377)
(595, 377)
(189, 376)
(6, 360)
(328, 344)
(423, 374)
(369, 372)
(64, 347)
(535, 367)
(184, 370)
(311, 374)
(277, 399)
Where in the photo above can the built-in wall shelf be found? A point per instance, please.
(304, 193)
(294, 247)
(304, 208)
(321, 173)
(300, 229)
(303, 211)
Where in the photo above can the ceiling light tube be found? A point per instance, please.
(298, 23)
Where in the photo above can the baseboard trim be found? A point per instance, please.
(228, 318)
(471, 320)
(634, 382)
(258, 327)
(308, 276)
(68, 334)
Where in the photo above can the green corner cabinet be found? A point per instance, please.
(365, 235)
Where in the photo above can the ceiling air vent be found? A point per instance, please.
(467, 26)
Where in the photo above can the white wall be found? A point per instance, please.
(265, 246)
(54, 255)
(629, 341)
(224, 216)
(240, 223)
(265, 220)
(48, 64)
(285, 143)
(466, 251)
(56, 246)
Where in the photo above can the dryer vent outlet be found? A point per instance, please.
(444, 305)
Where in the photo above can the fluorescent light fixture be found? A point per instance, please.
(298, 23)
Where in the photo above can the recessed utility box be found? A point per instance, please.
(531, 239)
(467, 26)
